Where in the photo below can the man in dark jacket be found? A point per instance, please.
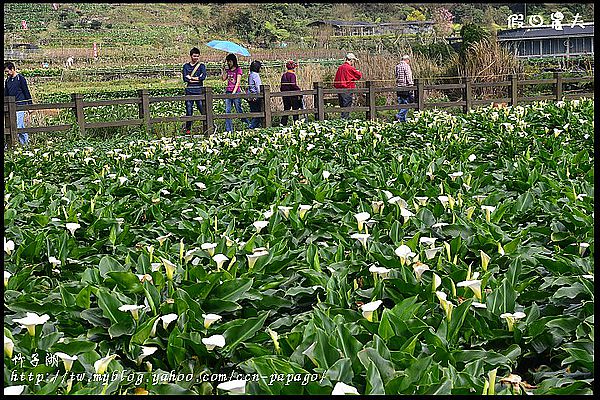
(16, 85)
(194, 74)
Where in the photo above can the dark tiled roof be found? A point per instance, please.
(524, 33)
(362, 23)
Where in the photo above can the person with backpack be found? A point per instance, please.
(288, 84)
(254, 83)
(194, 73)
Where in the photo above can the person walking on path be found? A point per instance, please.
(233, 75)
(16, 85)
(404, 78)
(194, 73)
(289, 84)
(345, 77)
(254, 83)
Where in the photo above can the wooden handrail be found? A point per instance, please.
(317, 93)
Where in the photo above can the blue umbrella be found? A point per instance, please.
(227, 46)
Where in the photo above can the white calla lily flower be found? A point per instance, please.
(259, 225)
(455, 175)
(446, 304)
(444, 200)
(209, 319)
(7, 276)
(31, 321)
(326, 174)
(485, 260)
(275, 337)
(237, 386)
(474, 285)
(66, 359)
(285, 210)
(582, 248)
(101, 365)
(488, 212)
(54, 261)
(72, 227)
(406, 214)
(254, 256)
(435, 282)
(361, 237)
(220, 260)
(512, 318)
(161, 239)
(146, 351)
(369, 308)
(167, 319)
(398, 201)
(9, 345)
(419, 268)
(214, 341)
(310, 353)
(341, 388)
(378, 206)
(405, 253)
(9, 246)
(381, 271)
(361, 218)
(169, 268)
(209, 248)
(303, 209)
(430, 253)
(132, 308)
(14, 390)
(422, 200)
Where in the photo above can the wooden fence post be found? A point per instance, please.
(208, 109)
(514, 90)
(78, 109)
(558, 90)
(12, 121)
(420, 94)
(319, 101)
(266, 105)
(144, 108)
(371, 101)
(468, 94)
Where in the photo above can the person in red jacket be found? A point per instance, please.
(345, 77)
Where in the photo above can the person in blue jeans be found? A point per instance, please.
(16, 85)
(194, 74)
(404, 78)
(254, 83)
(233, 75)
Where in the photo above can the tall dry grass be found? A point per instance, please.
(487, 61)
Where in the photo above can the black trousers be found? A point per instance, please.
(189, 104)
(291, 103)
(345, 101)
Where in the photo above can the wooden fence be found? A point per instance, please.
(321, 108)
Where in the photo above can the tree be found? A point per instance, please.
(415, 15)
(471, 34)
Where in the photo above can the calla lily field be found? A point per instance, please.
(452, 254)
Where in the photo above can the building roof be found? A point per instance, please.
(546, 32)
(366, 24)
